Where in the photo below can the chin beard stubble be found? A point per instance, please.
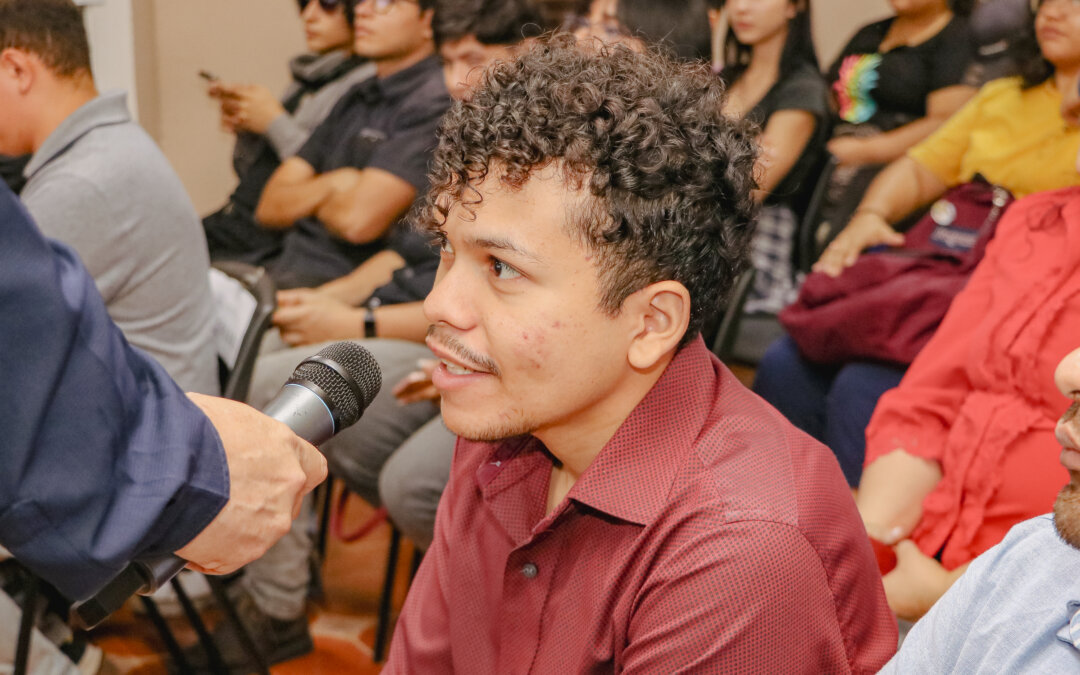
(1067, 505)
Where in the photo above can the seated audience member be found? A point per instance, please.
(1012, 133)
(99, 184)
(960, 451)
(772, 75)
(893, 84)
(1017, 608)
(679, 26)
(397, 456)
(341, 195)
(624, 504)
(268, 130)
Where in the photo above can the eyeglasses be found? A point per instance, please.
(380, 6)
(328, 6)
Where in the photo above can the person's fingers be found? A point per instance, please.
(906, 549)
(313, 464)
(408, 381)
(288, 315)
(894, 238)
(293, 339)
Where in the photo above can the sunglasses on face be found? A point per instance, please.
(328, 6)
(380, 6)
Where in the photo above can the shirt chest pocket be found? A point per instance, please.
(362, 145)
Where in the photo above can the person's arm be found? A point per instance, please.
(105, 459)
(891, 145)
(358, 285)
(917, 582)
(309, 317)
(365, 203)
(898, 190)
(293, 192)
(904, 440)
(786, 135)
(770, 578)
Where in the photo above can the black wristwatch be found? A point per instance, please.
(369, 322)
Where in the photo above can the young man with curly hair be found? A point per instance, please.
(618, 501)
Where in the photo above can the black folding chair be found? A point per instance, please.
(240, 287)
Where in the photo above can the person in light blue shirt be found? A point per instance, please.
(1017, 608)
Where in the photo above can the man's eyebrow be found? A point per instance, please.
(501, 244)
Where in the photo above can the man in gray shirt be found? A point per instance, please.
(97, 182)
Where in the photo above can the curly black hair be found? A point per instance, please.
(491, 22)
(668, 177)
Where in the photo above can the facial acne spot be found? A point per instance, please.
(525, 337)
(557, 325)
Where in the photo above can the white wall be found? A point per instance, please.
(112, 46)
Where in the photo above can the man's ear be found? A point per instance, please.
(660, 315)
(426, 17)
(18, 69)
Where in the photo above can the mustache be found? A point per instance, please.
(458, 349)
(1072, 415)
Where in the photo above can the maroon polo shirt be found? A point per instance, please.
(708, 535)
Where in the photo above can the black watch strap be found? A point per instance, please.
(369, 322)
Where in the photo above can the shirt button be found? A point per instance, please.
(529, 571)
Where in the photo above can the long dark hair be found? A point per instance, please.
(1027, 54)
(798, 48)
(679, 26)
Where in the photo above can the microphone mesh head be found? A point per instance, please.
(360, 366)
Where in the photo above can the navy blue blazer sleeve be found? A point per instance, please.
(102, 457)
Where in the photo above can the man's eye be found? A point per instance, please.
(502, 270)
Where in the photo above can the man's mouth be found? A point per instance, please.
(455, 369)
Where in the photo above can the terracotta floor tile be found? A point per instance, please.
(342, 621)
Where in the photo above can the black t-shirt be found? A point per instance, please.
(889, 89)
(803, 89)
(388, 124)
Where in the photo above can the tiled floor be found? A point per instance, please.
(343, 622)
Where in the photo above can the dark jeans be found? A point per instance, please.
(831, 403)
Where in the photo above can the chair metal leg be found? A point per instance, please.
(246, 641)
(382, 628)
(414, 566)
(162, 626)
(26, 627)
(326, 491)
(213, 656)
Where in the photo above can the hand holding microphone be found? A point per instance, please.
(270, 470)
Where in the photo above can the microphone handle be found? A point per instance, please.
(299, 407)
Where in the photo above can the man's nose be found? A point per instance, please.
(1067, 375)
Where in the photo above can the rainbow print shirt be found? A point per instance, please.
(857, 78)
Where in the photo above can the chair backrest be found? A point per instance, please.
(807, 246)
(245, 300)
(724, 339)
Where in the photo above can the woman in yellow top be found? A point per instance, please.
(1012, 133)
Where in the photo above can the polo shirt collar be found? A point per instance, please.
(1070, 632)
(404, 81)
(632, 476)
(105, 109)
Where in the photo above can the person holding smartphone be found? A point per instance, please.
(269, 130)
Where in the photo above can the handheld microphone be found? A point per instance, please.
(325, 394)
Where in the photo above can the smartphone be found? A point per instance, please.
(208, 76)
